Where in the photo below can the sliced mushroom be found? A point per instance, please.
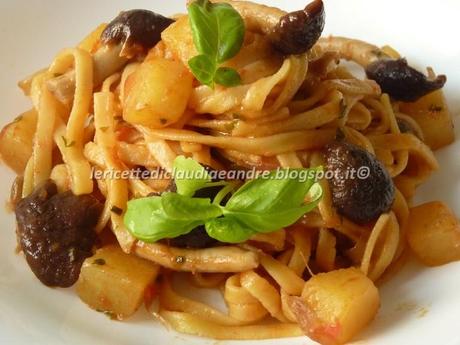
(130, 33)
(401, 81)
(362, 189)
(298, 31)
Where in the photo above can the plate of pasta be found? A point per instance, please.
(246, 172)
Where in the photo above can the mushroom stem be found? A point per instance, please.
(107, 61)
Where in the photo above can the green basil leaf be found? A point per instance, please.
(227, 77)
(146, 220)
(189, 175)
(179, 207)
(217, 29)
(271, 203)
(203, 68)
(273, 192)
(230, 33)
(204, 27)
(273, 221)
(218, 34)
(228, 230)
(262, 205)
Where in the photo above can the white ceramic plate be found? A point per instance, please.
(420, 306)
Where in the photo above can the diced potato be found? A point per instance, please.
(433, 233)
(178, 39)
(157, 52)
(157, 93)
(434, 118)
(16, 141)
(115, 282)
(336, 305)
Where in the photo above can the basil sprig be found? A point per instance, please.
(189, 176)
(262, 205)
(218, 33)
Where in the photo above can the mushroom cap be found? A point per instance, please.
(298, 31)
(362, 189)
(401, 81)
(137, 31)
(56, 232)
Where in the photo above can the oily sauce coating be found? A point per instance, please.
(56, 233)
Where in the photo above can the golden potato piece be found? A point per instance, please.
(115, 282)
(16, 141)
(433, 234)
(157, 93)
(178, 39)
(434, 118)
(335, 306)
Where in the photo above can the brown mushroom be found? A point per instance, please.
(362, 189)
(395, 76)
(56, 233)
(401, 81)
(136, 30)
(129, 34)
(298, 31)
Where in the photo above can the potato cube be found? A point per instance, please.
(433, 234)
(434, 118)
(115, 282)
(336, 305)
(179, 40)
(157, 93)
(16, 141)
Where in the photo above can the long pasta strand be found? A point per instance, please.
(72, 148)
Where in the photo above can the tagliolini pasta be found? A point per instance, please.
(285, 111)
